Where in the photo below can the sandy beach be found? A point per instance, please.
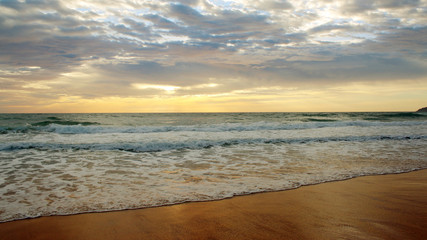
(373, 207)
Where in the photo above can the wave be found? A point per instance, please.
(156, 146)
(58, 121)
(397, 115)
(320, 120)
(74, 127)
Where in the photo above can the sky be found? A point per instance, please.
(212, 55)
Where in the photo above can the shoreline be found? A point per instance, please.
(212, 200)
(393, 208)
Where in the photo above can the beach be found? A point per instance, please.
(370, 207)
(197, 119)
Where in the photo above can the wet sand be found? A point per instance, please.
(373, 207)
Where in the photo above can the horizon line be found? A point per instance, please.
(206, 112)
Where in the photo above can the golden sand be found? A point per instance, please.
(373, 207)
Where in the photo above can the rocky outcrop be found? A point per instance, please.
(422, 109)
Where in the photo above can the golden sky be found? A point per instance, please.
(213, 56)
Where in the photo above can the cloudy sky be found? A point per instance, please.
(212, 55)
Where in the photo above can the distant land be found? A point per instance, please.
(424, 109)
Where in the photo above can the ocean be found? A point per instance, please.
(60, 164)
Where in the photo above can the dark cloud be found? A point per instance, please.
(54, 55)
(185, 13)
(362, 5)
(275, 5)
(185, 2)
(134, 30)
(397, 3)
(370, 67)
(159, 21)
(401, 42)
(332, 26)
(223, 22)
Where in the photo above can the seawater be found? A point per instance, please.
(58, 164)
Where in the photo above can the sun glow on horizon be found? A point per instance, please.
(356, 97)
(166, 88)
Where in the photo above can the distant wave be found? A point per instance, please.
(397, 115)
(62, 122)
(72, 127)
(320, 120)
(154, 146)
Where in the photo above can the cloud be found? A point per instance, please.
(103, 48)
(369, 67)
(361, 5)
(329, 27)
(219, 24)
(159, 21)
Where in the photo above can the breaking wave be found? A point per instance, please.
(155, 146)
(73, 127)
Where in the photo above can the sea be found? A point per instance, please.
(61, 164)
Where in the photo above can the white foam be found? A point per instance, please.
(160, 141)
